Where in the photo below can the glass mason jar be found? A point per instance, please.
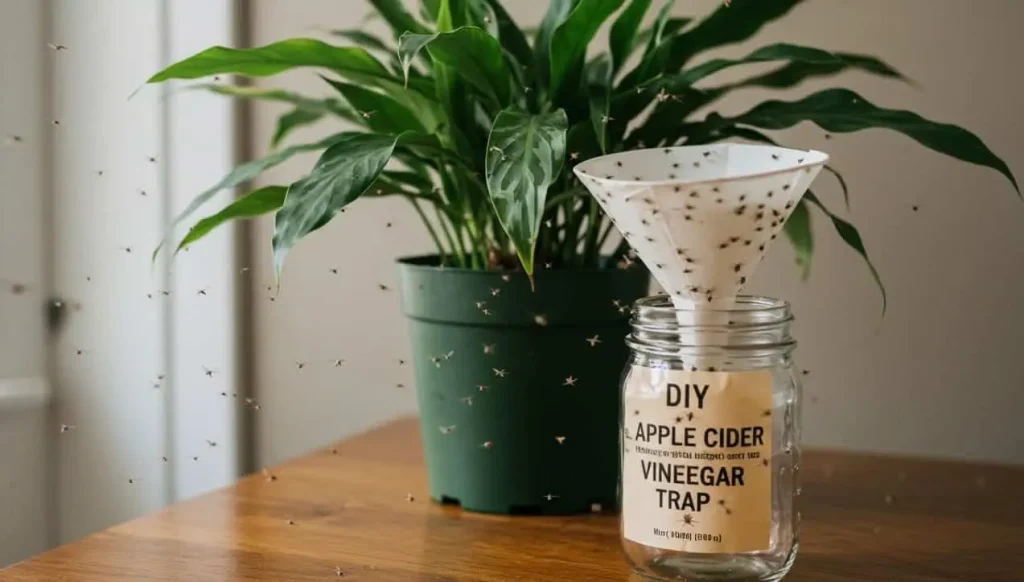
(710, 437)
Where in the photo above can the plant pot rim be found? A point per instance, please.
(431, 263)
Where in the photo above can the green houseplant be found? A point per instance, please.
(477, 124)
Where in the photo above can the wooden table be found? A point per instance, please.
(866, 518)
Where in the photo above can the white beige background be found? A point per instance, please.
(937, 376)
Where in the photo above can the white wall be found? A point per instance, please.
(936, 376)
(320, 316)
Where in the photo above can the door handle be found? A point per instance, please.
(56, 314)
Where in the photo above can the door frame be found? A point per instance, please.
(191, 331)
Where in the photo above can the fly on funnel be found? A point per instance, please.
(701, 217)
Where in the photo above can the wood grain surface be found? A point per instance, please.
(347, 510)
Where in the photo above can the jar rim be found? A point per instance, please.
(750, 325)
(742, 304)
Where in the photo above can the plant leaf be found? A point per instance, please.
(512, 37)
(599, 78)
(306, 111)
(242, 174)
(295, 118)
(411, 179)
(342, 174)
(429, 9)
(481, 15)
(775, 52)
(852, 238)
(255, 203)
(669, 28)
(664, 124)
(558, 11)
(801, 236)
(655, 53)
(363, 39)
(409, 45)
(272, 59)
(379, 111)
(470, 53)
(281, 95)
(843, 111)
(842, 184)
(525, 153)
(572, 37)
(623, 33)
(452, 14)
(397, 17)
(793, 74)
(732, 23)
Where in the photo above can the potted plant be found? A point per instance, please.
(517, 319)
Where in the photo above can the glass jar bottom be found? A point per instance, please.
(681, 567)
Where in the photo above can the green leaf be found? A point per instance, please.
(793, 74)
(775, 52)
(410, 179)
(379, 111)
(242, 174)
(429, 9)
(580, 140)
(470, 53)
(842, 184)
(306, 111)
(397, 17)
(481, 15)
(668, 29)
(293, 119)
(571, 38)
(409, 46)
(452, 14)
(512, 37)
(798, 230)
(666, 122)
(599, 78)
(525, 153)
(342, 174)
(272, 59)
(729, 24)
(363, 39)
(852, 238)
(622, 36)
(256, 203)
(332, 106)
(558, 11)
(843, 111)
(655, 53)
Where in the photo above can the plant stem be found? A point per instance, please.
(456, 245)
(430, 228)
(572, 227)
(608, 228)
(591, 250)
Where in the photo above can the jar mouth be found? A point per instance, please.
(768, 309)
(750, 322)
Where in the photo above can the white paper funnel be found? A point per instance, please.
(701, 217)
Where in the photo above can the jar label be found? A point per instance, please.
(696, 464)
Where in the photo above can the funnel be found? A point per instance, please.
(701, 217)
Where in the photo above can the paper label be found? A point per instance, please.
(696, 465)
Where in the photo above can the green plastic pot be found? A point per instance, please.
(518, 389)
